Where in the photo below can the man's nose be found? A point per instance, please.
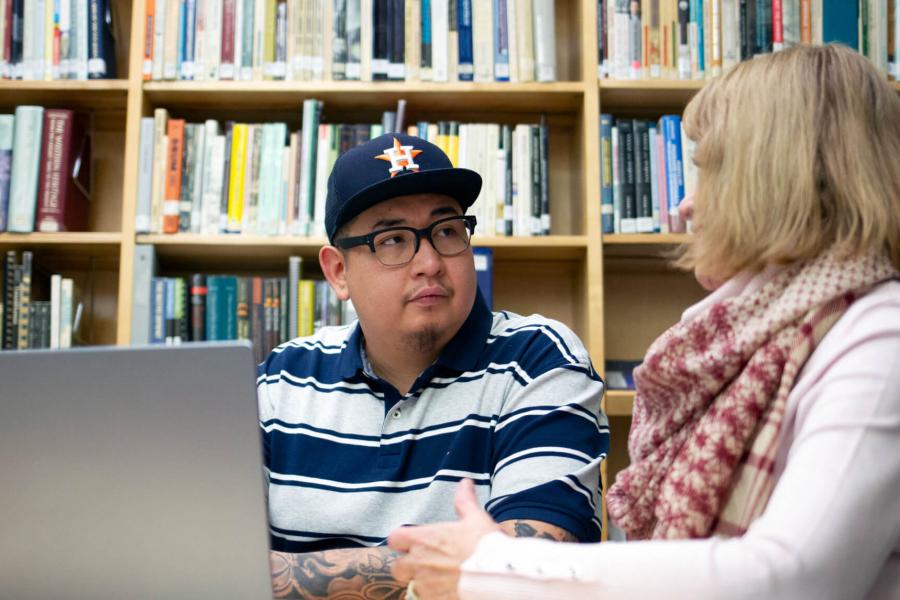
(427, 260)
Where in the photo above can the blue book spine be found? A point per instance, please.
(466, 68)
(674, 169)
(764, 26)
(484, 273)
(840, 23)
(190, 28)
(228, 304)
(697, 21)
(501, 41)
(158, 310)
(213, 321)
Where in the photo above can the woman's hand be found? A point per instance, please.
(436, 552)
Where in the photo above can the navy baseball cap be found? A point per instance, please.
(391, 165)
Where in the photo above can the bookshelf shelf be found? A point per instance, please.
(226, 249)
(71, 241)
(642, 245)
(650, 95)
(102, 94)
(619, 403)
(352, 95)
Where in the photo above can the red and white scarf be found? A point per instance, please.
(710, 400)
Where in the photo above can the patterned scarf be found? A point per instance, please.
(711, 396)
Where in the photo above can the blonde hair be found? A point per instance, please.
(799, 152)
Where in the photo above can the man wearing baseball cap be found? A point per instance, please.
(372, 425)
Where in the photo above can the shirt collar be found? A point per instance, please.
(460, 354)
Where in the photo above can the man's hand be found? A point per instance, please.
(348, 574)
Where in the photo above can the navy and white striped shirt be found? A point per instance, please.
(512, 403)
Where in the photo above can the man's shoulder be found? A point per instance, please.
(309, 352)
(536, 336)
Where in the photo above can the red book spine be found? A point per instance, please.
(226, 69)
(7, 36)
(171, 205)
(64, 185)
(777, 26)
(149, 18)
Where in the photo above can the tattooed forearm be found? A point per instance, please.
(537, 529)
(351, 574)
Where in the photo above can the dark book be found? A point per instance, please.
(620, 374)
(397, 33)
(607, 222)
(34, 329)
(257, 318)
(170, 306)
(198, 307)
(484, 273)
(226, 174)
(43, 320)
(380, 40)
(747, 25)
(281, 41)
(268, 315)
(283, 310)
(158, 310)
(543, 133)
(466, 66)
(101, 45)
(425, 51)
(188, 172)
(626, 176)
(763, 26)
(10, 285)
(535, 180)
(24, 300)
(64, 181)
(506, 143)
(642, 184)
(182, 310)
(226, 54)
(16, 37)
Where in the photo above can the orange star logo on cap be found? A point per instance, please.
(402, 158)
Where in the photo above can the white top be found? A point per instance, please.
(831, 528)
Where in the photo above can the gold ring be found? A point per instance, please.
(411, 591)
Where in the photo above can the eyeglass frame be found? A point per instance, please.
(425, 232)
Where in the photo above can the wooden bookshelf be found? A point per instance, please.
(619, 403)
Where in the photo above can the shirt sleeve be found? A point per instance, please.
(827, 532)
(548, 445)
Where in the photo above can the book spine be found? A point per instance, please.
(158, 184)
(212, 187)
(397, 39)
(425, 69)
(229, 308)
(180, 311)
(777, 25)
(380, 42)
(715, 38)
(501, 41)
(142, 286)
(413, 33)
(236, 178)
(66, 319)
(26, 162)
(16, 32)
(257, 318)
(662, 182)
(642, 189)
(101, 63)
(654, 179)
(158, 311)
(617, 180)
(295, 270)
(57, 135)
(172, 203)
(896, 29)
(226, 178)
(440, 29)
(247, 37)
(606, 181)
(149, 36)
(355, 41)
(304, 219)
(544, 164)
(10, 315)
(339, 41)
(24, 288)
(483, 31)
(199, 169)
(674, 170)
(188, 64)
(242, 311)
(280, 33)
(7, 125)
(198, 293)
(763, 26)
(545, 40)
(188, 162)
(626, 163)
(226, 58)
(214, 319)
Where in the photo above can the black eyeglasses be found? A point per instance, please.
(395, 246)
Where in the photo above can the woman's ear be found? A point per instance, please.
(334, 267)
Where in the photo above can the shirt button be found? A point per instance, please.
(397, 414)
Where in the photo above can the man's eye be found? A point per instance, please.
(391, 240)
(445, 231)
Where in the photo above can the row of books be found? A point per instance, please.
(265, 310)
(262, 179)
(646, 170)
(366, 40)
(697, 39)
(45, 170)
(57, 39)
(27, 322)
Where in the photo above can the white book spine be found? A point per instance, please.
(238, 43)
(283, 187)
(200, 41)
(483, 40)
(544, 40)
(160, 123)
(525, 39)
(259, 37)
(440, 31)
(322, 168)
(55, 291)
(65, 38)
(66, 304)
(731, 39)
(881, 30)
(896, 26)
(654, 178)
(496, 177)
(145, 176)
(621, 66)
(170, 40)
(159, 28)
(366, 36)
(197, 181)
(512, 36)
(26, 158)
(82, 27)
(213, 38)
(212, 186)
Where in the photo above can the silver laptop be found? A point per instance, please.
(131, 473)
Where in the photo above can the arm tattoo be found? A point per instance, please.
(350, 574)
(542, 531)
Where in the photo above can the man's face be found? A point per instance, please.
(424, 302)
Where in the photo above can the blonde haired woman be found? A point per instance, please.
(765, 442)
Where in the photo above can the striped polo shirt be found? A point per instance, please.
(512, 403)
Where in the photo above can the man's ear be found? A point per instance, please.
(334, 268)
